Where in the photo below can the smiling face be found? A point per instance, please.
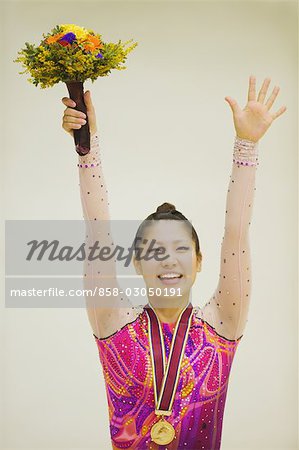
(172, 241)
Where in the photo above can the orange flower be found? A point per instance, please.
(54, 38)
(92, 43)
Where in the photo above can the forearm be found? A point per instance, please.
(95, 206)
(94, 200)
(240, 193)
(93, 191)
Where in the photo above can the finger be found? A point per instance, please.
(263, 91)
(88, 101)
(279, 112)
(74, 113)
(71, 132)
(251, 89)
(272, 97)
(70, 127)
(73, 120)
(233, 104)
(68, 102)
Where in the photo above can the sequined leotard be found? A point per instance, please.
(200, 398)
(215, 332)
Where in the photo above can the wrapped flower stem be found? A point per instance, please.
(82, 135)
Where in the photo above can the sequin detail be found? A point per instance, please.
(245, 152)
(200, 399)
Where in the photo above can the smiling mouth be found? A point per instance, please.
(169, 277)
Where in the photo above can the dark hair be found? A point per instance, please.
(167, 211)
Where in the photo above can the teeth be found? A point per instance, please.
(170, 275)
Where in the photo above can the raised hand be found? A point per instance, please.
(254, 120)
(73, 119)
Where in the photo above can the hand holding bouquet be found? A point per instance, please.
(73, 54)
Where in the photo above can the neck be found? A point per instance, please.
(169, 315)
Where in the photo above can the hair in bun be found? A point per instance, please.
(169, 212)
(165, 208)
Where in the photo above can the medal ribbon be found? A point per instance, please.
(166, 381)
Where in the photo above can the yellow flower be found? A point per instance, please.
(80, 32)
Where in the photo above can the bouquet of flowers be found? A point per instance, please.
(73, 54)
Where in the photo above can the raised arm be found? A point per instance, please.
(227, 309)
(106, 313)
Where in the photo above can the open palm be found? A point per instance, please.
(254, 120)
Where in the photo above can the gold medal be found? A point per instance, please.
(162, 433)
(166, 374)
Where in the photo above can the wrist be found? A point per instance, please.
(93, 132)
(246, 139)
(92, 159)
(245, 152)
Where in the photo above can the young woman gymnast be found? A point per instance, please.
(166, 365)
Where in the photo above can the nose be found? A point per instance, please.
(170, 261)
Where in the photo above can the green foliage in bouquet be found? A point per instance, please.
(72, 53)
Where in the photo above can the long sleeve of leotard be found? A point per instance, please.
(227, 309)
(98, 274)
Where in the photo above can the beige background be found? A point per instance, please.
(167, 135)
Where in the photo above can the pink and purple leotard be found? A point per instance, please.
(198, 407)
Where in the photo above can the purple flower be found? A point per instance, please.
(68, 38)
(99, 55)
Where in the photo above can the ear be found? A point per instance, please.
(198, 265)
(137, 265)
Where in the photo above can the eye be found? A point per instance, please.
(155, 249)
(184, 248)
